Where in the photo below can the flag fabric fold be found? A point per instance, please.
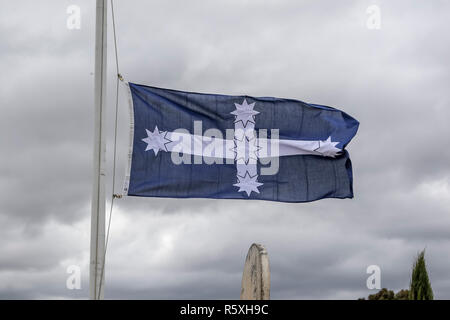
(196, 145)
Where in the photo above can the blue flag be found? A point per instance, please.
(195, 145)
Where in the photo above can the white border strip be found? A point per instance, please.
(126, 183)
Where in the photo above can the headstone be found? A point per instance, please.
(256, 275)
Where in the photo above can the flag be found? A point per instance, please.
(196, 145)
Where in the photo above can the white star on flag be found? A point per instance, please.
(246, 149)
(327, 148)
(156, 140)
(248, 184)
(244, 112)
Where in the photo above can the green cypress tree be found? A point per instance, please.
(420, 286)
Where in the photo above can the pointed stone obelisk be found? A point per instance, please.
(256, 275)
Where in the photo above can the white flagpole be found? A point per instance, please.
(98, 191)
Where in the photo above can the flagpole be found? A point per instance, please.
(98, 190)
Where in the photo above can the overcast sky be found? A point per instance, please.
(394, 80)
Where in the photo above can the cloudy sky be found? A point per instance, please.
(394, 80)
